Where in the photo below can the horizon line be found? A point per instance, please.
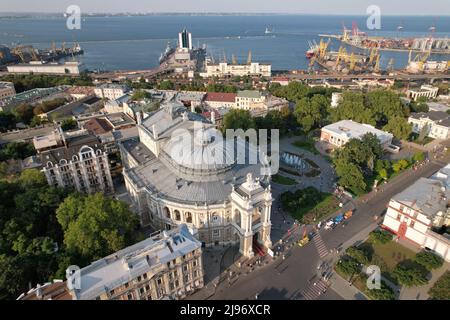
(223, 13)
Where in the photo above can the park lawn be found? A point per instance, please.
(392, 253)
(283, 180)
(326, 207)
(306, 144)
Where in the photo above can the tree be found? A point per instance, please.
(399, 127)
(17, 150)
(95, 226)
(32, 177)
(351, 177)
(357, 254)
(7, 121)
(385, 105)
(419, 157)
(383, 293)
(429, 260)
(24, 113)
(140, 95)
(238, 119)
(352, 107)
(348, 266)
(441, 288)
(410, 274)
(380, 236)
(420, 105)
(69, 124)
(312, 112)
(3, 169)
(166, 85)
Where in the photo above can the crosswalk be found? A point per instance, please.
(314, 290)
(320, 246)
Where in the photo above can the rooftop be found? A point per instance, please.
(428, 196)
(354, 130)
(97, 126)
(144, 257)
(431, 115)
(220, 97)
(252, 94)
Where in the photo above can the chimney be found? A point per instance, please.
(213, 117)
(192, 108)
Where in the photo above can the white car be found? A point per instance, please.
(329, 225)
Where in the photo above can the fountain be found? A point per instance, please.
(295, 161)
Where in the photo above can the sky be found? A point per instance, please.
(351, 7)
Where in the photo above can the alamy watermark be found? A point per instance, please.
(374, 279)
(206, 148)
(73, 15)
(73, 275)
(374, 20)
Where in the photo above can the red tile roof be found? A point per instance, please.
(97, 126)
(220, 97)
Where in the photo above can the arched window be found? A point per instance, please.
(188, 217)
(177, 215)
(166, 212)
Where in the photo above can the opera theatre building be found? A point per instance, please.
(175, 180)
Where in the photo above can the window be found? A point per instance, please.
(177, 215)
(141, 290)
(144, 276)
(147, 288)
(159, 281)
(130, 296)
(188, 217)
(194, 263)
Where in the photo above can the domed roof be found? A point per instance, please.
(202, 150)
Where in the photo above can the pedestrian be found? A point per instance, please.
(256, 296)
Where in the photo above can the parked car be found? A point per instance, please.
(329, 224)
(339, 218)
(348, 214)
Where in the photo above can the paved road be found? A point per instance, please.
(287, 279)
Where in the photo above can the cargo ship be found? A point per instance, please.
(166, 54)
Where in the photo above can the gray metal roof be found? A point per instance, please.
(428, 196)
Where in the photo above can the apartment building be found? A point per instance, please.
(75, 159)
(167, 265)
(224, 69)
(416, 212)
(7, 89)
(250, 99)
(435, 123)
(426, 91)
(111, 91)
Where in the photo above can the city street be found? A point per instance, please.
(291, 278)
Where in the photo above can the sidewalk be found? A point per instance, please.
(344, 289)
